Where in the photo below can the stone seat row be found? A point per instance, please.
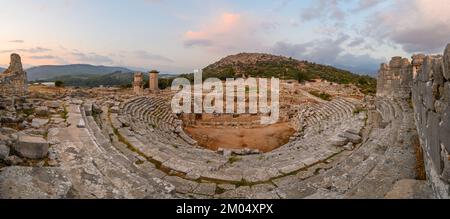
(368, 171)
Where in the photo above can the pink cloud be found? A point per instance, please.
(228, 32)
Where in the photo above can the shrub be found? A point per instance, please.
(59, 83)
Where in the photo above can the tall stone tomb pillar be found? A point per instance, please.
(13, 82)
(138, 83)
(153, 81)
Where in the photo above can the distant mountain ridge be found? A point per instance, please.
(2, 69)
(46, 72)
(117, 78)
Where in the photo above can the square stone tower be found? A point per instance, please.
(153, 81)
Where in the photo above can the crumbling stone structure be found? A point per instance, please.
(138, 83)
(431, 101)
(13, 82)
(426, 79)
(395, 78)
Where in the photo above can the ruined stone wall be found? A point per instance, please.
(431, 102)
(395, 78)
(425, 81)
(13, 82)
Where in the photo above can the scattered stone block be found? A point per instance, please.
(339, 141)
(88, 109)
(355, 139)
(38, 123)
(31, 147)
(81, 124)
(42, 111)
(53, 104)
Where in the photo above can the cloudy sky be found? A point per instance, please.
(181, 35)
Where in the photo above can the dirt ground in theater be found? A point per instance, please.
(264, 139)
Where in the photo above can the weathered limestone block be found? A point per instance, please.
(88, 109)
(38, 123)
(31, 147)
(53, 104)
(42, 111)
(81, 124)
(339, 141)
(355, 139)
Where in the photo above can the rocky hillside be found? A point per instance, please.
(266, 65)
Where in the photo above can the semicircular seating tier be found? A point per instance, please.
(313, 164)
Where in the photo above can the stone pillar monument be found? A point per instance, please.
(153, 81)
(138, 83)
(14, 80)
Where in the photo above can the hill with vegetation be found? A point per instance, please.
(266, 65)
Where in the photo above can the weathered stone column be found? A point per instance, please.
(153, 81)
(138, 83)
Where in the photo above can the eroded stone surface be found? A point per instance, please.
(410, 189)
(33, 183)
